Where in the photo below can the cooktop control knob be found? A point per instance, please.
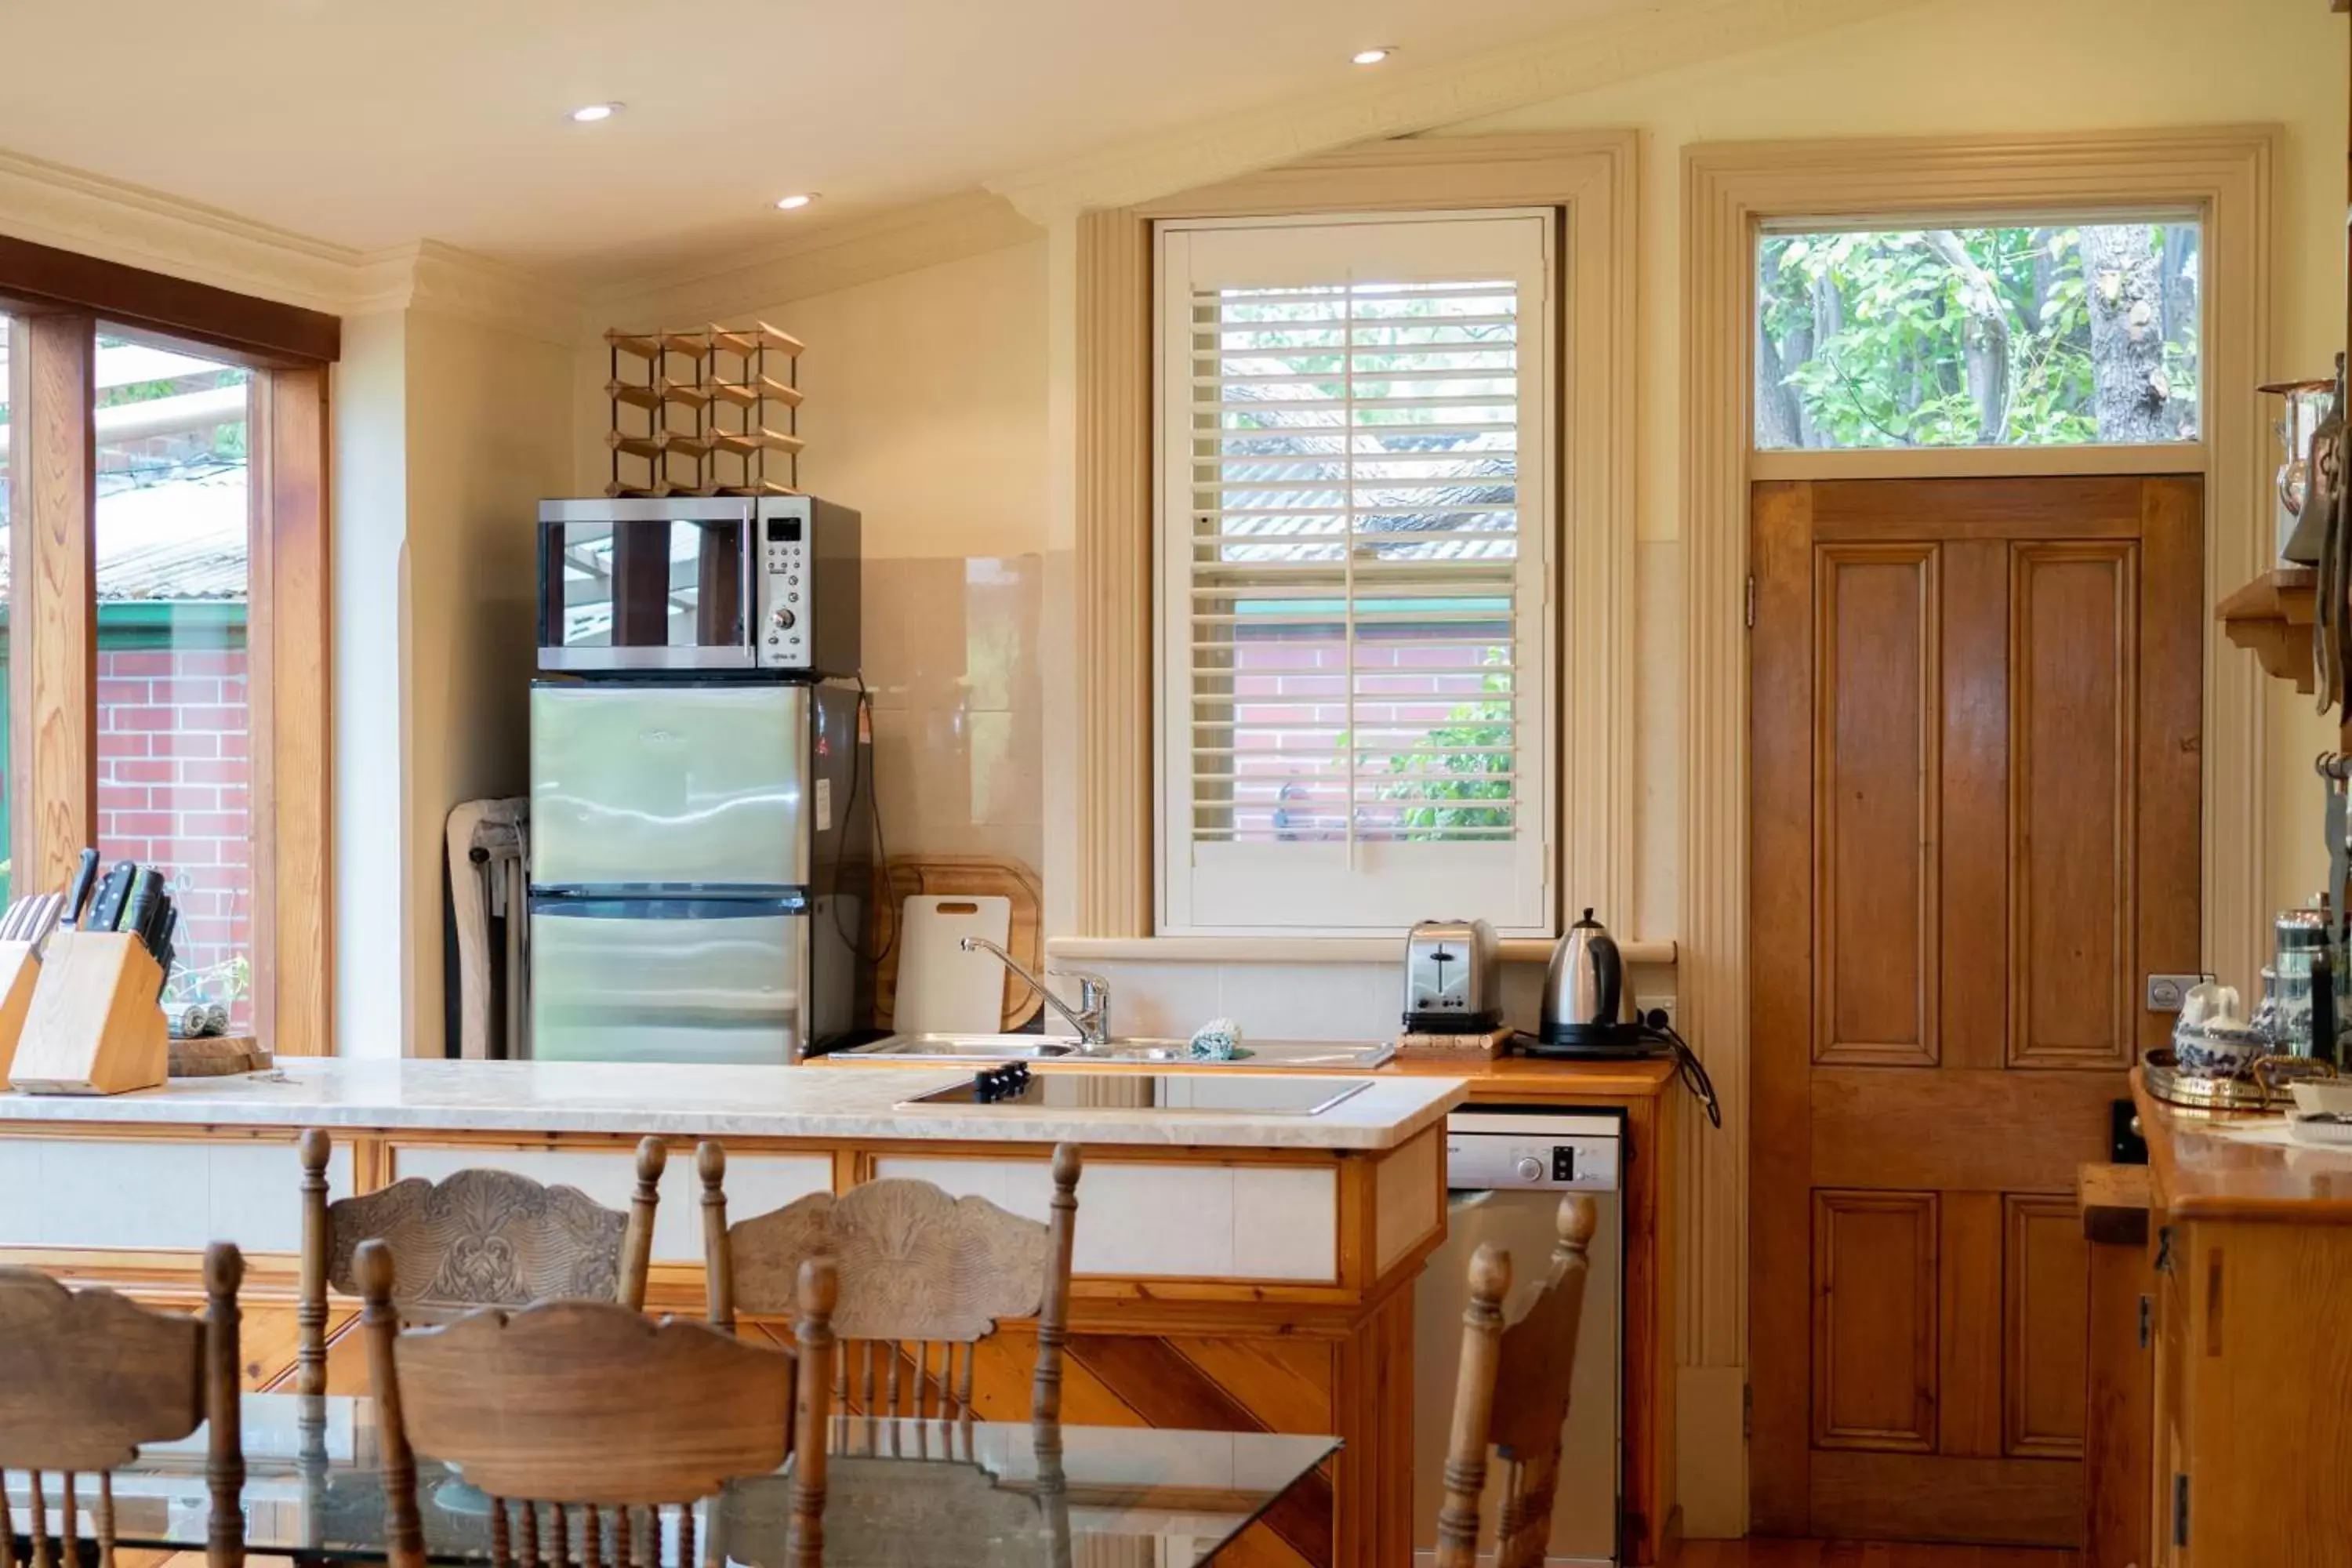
(1530, 1169)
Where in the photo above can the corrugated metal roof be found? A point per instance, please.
(182, 539)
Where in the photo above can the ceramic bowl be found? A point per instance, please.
(2322, 1096)
(2220, 1051)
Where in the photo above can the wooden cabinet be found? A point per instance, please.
(2249, 1272)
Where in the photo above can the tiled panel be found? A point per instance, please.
(1404, 1198)
(755, 1183)
(1209, 1222)
(93, 1192)
(1286, 1222)
(1321, 1001)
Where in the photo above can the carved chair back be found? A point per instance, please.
(475, 1238)
(1511, 1393)
(582, 1420)
(922, 1279)
(86, 1376)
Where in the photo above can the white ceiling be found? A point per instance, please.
(374, 123)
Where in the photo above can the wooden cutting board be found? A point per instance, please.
(943, 990)
(974, 875)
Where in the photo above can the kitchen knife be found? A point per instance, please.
(154, 920)
(106, 910)
(163, 954)
(77, 896)
(139, 909)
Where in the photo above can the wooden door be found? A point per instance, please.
(1974, 829)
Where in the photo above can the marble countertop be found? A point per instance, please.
(688, 1101)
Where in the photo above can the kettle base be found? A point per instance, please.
(1593, 1042)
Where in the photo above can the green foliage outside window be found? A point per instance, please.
(1978, 336)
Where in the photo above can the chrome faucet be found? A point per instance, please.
(1090, 1018)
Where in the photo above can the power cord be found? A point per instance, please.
(858, 770)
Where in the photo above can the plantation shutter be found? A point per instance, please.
(1355, 521)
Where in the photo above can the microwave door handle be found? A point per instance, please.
(754, 569)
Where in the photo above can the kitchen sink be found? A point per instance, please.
(1314, 1056)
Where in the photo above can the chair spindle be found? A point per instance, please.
(687, 1557)
(380, 1321)
(963, 1386)
(718, 1272)
(40, 1507)
(8, 1525)
(530, 1534)
(623, 1550)
(311, 1307)
(502, 1553)
(865, 1399)
(820, 1287)
(1466, 1454)
(68, 1526)
(591, 1538)
(105, 1518)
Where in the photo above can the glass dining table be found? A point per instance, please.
(904, 1492)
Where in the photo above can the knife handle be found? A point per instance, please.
(106, 912)
(78, 897)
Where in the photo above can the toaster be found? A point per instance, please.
(1452, 986)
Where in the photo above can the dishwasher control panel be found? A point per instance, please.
(1497, 1149)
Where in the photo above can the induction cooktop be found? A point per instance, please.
(1190, 1094)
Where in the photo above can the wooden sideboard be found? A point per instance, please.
(2247, 1272)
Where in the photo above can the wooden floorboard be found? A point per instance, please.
(1862, 1555)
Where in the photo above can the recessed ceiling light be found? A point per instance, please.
(796, 201)
(589, 113)
(1374, 56)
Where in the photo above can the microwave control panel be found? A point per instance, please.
(783, 608)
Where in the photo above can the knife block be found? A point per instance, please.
(18, 970)
(94, 1024)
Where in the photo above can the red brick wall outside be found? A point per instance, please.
(174, 779)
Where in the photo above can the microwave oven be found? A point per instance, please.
(724, 584)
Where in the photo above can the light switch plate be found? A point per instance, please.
(2165, 992)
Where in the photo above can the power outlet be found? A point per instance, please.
(1645, 1006)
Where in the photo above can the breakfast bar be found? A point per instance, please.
(1246, 1246)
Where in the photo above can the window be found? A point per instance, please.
(1355, 524)
(175, 727)
(172, 709)
(2053, 335)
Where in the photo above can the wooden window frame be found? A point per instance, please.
(1589, 176)
(1729, 192)
(57, 301)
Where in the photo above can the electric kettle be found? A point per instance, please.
(1584, 995)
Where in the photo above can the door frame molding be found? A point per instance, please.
(2224, 175)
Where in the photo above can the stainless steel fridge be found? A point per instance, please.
(699, 870)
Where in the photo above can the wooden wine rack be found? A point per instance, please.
(710, 412)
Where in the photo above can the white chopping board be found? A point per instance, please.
(943, 990)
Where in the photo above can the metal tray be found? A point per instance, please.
(2168, 1082)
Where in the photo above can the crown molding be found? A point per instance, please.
(115, 221)
(970, 223)
(52, 205)
(446, 281)
(1630, 41)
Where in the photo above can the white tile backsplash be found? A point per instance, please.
(95, 1192)
(1211, 1222)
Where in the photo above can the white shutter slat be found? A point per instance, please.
(1354, 522)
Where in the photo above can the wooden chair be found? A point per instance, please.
(582, 1420)
(475, 1238)
(917, 1273)
(86, 1376)
(1511, 1392)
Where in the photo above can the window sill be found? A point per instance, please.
(1301, 950)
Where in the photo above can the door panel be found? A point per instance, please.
(1874, 1322)
(1974, 827)
(2072, 847)
(1875, 734)
(2048, 1270)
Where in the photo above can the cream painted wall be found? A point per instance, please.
(488, 436)
(925, 404)
(2011, 66)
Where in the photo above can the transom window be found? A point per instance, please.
(2056, 333)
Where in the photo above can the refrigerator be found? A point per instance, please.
(701, 870)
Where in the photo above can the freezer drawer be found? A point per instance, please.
(696, 788)
(668, 980)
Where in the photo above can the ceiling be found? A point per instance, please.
(370, 125)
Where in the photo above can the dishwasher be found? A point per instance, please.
(1506, 1168)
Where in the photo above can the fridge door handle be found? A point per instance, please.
(643, 907)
